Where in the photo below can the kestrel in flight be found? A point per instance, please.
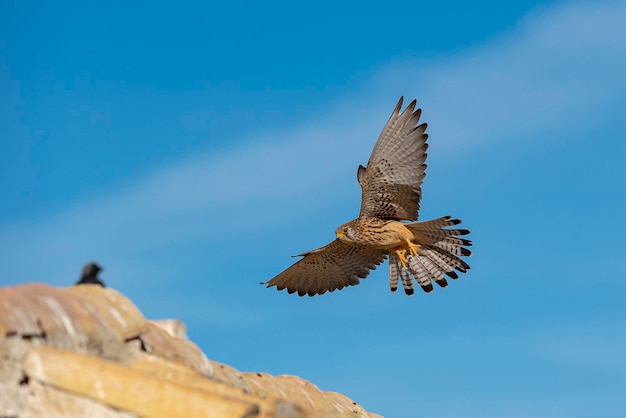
(391, 186)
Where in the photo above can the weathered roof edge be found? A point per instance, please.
(92, 348)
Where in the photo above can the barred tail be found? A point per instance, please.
(438, 254)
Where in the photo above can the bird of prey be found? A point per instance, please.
(391, 187)
(90, 274)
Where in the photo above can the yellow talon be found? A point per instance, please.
(412, 248)
(402, 257)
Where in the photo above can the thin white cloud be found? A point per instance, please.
(557, 67)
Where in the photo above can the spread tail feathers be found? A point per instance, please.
(437, 256)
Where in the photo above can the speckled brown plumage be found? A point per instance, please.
(391, 186)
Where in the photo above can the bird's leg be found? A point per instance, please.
(412, 248)
(402, 257)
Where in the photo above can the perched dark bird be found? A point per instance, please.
(90, 274)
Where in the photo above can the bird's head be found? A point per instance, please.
(91, 269)
(347, 232)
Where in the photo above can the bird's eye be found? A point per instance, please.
(345, 230)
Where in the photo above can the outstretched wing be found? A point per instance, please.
(333, 266)
(392, 182)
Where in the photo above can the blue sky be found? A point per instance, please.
(191, 149)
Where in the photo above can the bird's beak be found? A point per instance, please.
(339, 234)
